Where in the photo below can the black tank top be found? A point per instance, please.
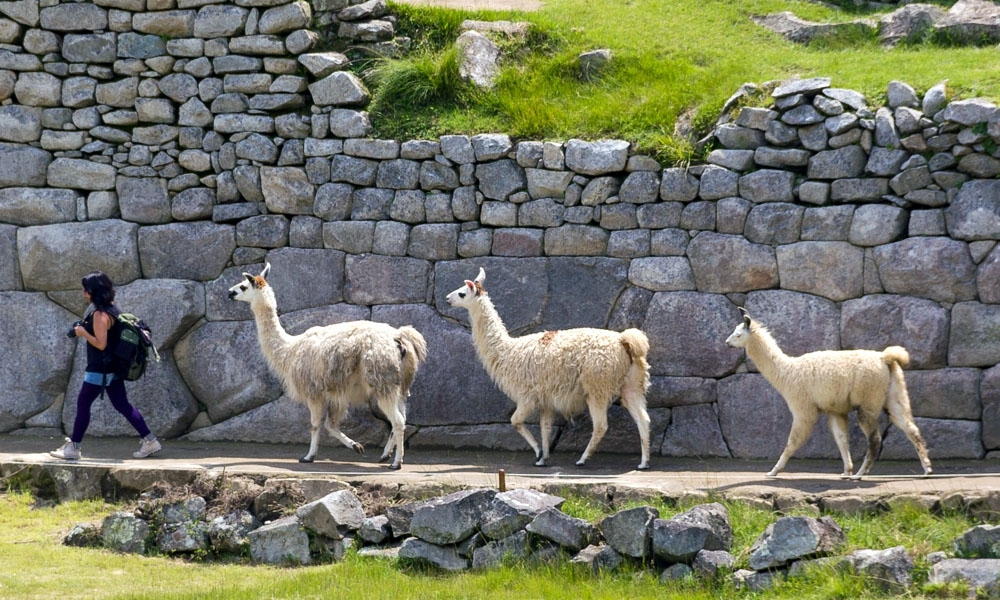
(99, 361)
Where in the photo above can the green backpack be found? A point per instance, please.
(131, 351)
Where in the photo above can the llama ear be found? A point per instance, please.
(249, 277)
(746, 316)
(267, 269)
(470, 285)
(481, 277)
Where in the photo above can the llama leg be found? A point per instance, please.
(599, 417)
(517, 420)
(635, 404)
(390, 407)
(333, 419)
(317, 414)
(802, 425)
(898, 407)
(838, 428)
(868, 420)
(545, 423)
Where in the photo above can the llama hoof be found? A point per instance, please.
(305, 459)
(928, 472)
(856, 477)
(642, 468)
(359, 449)
(771, 474)
(394, 467)
(581, 463)
(383, 458)
(540, 463)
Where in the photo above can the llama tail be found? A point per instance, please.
(896, 355)
(637, 345)
(414, 342)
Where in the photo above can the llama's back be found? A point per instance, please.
(354, 357)
(836, 380)
(561, 366)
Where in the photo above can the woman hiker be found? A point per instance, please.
(99, 326)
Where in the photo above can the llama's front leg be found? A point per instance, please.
(838, 429)
(802, 425)
(600, 420)
(394, 410)
(517, 420)
(337, 411)
(317, 414)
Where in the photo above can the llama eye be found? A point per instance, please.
(461, 294)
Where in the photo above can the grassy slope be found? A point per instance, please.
(670, 56)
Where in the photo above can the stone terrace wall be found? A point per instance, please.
(175, 146)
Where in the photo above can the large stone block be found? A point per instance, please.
(800, 323)
(169, 306)
(518, 288)
(219, 21)
(945, 393)
(945, 438)
(143, 199)
(287, 190)
(10, 270)
(694, 431)
(596, 158)
(974, 213)
(373, 279)
(322, 269)
(23, 165)
(36, 359)
(225, 369)
(73, 17)
(37, 206)
(877, 321)
(165, 250)
(834, 270)
(21, 124)
(439, 395)
(698, 323)
(938, 268)
(728, 263)
(499, 179)
(80, 174)
(56, 257)
(973, 341)
(774, 224)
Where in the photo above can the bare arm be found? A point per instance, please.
(102, 323)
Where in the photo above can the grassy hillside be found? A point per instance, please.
(673, 59)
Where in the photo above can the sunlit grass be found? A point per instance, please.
(37, 565)
(670, 57)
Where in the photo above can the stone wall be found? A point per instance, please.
(176, 145)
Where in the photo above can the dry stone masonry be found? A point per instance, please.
(175, 144)
(482, 528)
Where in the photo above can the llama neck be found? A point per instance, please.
(273, 338)
(489, 334)
(763, 350)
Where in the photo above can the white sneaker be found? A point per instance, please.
(147, 447)
(68, 451)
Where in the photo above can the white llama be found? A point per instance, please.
(834, 382)
(564, 371)
(334, 367)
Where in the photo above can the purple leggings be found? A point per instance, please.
(116, 393)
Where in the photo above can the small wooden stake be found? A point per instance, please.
(503, 480)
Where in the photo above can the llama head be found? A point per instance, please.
(248, 289)
(741, 335)
(466, 295)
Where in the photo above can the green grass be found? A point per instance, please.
(37, 565)
(672, 59)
